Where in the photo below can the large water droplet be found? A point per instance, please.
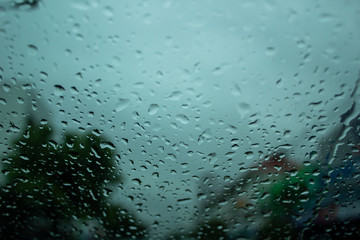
(122, 104)
(153, 108)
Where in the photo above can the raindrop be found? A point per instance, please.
(235, 90)
(108, 145)
(74, 90)
(79, 76)
(184, 200)
(136, 181)
(3, 101)
(182, 118)
(153, 109)
(122, 104)
(59, 90)
(175, 96)
(32, 49)
(243, 108)
(270, 51)
(108, 11)
(20, 100)
(6, 87)
(43, 75)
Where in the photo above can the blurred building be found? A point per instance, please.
(244, 205)
(320, 195)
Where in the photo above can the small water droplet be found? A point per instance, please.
(243, 108)
(108, 145)
(6, 87)
(43, 75)
(270, 51)
(136, 181)
(79, 76)
(184, 200)
(32, 49)
(3, 101)
(108, 11)
(236, 90)
(59, 90)
(182, 118)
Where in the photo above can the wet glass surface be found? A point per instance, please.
(179, 119)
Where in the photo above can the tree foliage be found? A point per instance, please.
(62, 190)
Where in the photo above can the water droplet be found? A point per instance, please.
(270, 51)
(108, 145)
(122, 104)
(32, 50)
(20, 100)
(136, 181)
(175, 96)
(236, 90)
(59, 90)
(74, 90)
(153, 108)
(3, 101)
(243, 108)
(43, 75)
(79, 76)
(6, 87)
(108, 11)
(184, 200)
(182, 118)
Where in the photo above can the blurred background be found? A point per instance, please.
(179, 119)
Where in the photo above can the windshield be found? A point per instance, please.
(179, 119)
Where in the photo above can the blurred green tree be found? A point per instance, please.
(61, 190)
(291, 197)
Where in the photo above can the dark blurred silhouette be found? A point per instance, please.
(20, 4)
(62, 190)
